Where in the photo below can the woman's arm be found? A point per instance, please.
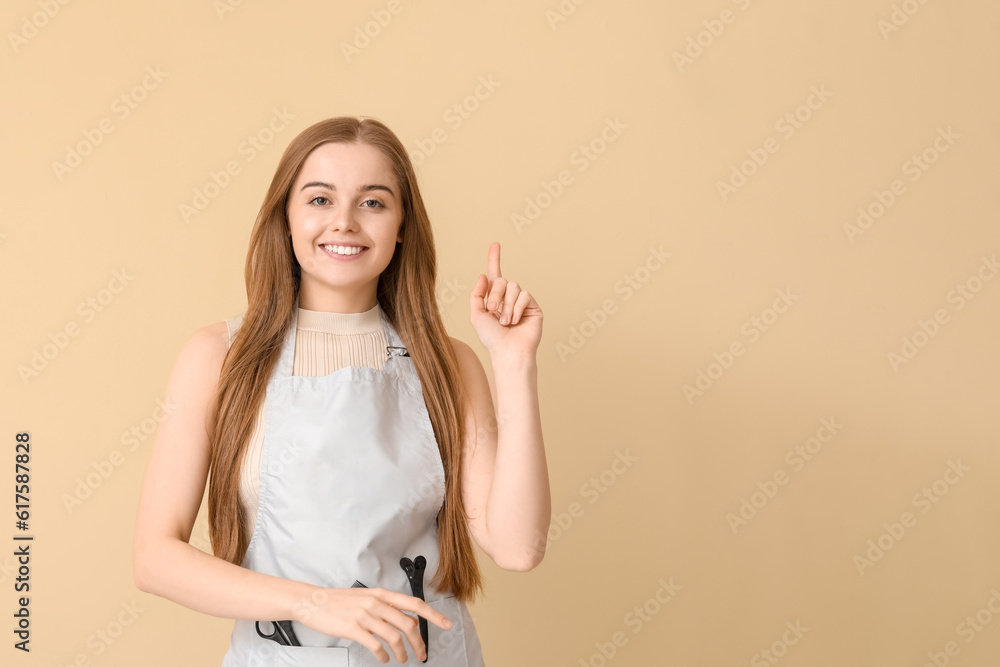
(163, 562)
(506, 481)
(505, 476)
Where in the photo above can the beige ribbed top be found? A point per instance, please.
(324, 342)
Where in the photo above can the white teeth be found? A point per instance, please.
(343, 249)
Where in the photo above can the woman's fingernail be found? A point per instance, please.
(504, 320)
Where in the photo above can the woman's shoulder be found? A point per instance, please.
(196, 370)
(468, 361)
(210, 342)
(231, 325)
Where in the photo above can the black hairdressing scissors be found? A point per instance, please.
(415, 573)
(283, 633)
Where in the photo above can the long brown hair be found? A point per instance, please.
(406, 292)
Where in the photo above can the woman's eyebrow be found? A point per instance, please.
(361, 188)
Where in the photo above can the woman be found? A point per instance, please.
(350, 440)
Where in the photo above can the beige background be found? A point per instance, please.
(856, 295)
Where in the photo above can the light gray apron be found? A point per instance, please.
(351, 481)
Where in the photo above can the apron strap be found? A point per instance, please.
(395, 351)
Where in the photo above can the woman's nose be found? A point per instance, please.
(343, 218)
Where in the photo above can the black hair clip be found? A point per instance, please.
(415, 573)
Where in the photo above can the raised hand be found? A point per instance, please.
(506, 318)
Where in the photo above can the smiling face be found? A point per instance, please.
(345, 213)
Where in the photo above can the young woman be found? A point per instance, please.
(352, 448)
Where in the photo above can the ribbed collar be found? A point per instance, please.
(340, 323)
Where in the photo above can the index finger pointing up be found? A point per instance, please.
(493, 264)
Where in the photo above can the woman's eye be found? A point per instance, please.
(374, 201)
(319, 197)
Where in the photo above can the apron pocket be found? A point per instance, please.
(301, 656)
(446, 647)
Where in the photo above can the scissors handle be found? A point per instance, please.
(282, 634)
(414, 570)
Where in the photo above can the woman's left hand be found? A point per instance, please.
(506, 318)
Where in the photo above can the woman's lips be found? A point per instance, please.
(344, 258)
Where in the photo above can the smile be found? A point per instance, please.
(344, 249)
